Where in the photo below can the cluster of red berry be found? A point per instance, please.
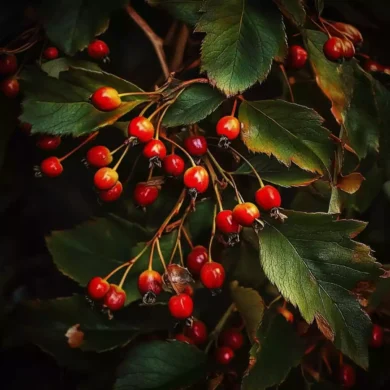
(8, 68)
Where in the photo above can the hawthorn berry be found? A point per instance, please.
(112, 194)
(97, 288)
(377, 335)
(173, 165)
(246, 213)
(105, 178)
(155, 151)
(297, 57)
(189, 290)
(226, 223)
(181, 306)
(50, 53)
(197, 332)
(183, 338)
(228, 127)
(10, 87)
(150, 281)
(8, 64)
(115, 297)
(212, 275)
(347, 30)
(196, 259)
(349, 49)
(196, 179)
(347, 376)
(373, 66)
(224, 355)
(51, 167)
(196, 145)
(99, 156)
(141, 128)
(268, 197)
(48, 142)
(98, 49)
(144, 194)
(106, 99)
(231, 338)
(334, 49)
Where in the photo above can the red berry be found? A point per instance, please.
(141, 128)
(97, 288)
(155, 149)
(268, 197)
(376, 336)
(183, 338)
(232, 338)
(347, 376)
(112, 194)
(106, 99)
(8, 64)
(297, 57)
(212, 275)
(198, 332)
(229, 127)
(224, 355)
(50, 53)
(105, 178)
(246, 213)
(181, 306)
(98, 49)
(10, 87)
(189, 290)
(173, 165)
(334, 49)
(150, 280)
(226, 223)
(115, 297)
(346, 30)
(99, 156)
(196, 178)
(196, 259)
(144, 194)
(196, 145)
(373, 66)
(48, 142)
(51, 167)
(349, 49)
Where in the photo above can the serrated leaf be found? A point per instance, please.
(72, 24)
(314, 263)
(350, 183)
(55, 67)
(294, 10)
(290, 132)
(279, 349)
(242, 39)
(185, 10)
(194, 104)
(161, 365)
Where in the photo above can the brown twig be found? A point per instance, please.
(181, 44)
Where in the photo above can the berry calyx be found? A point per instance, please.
(196, 145)
(297, 57)
(10, 87)
(349, 49)
(226, 223)
(347, 376)
(144, 194)
(181, 306)
(212, 275)
(99, 156)
(173, 165)
(105, 178)
(183, 338)
(8, 64)
(155, 151)
(373, 66)
(228, 127)
(224, 355)
(196, 259)
(112, 194)
(334, 49)
(97, 288)
(98, 49)
(197, 332)
(106, 99)
(50, 53)
(150, 282)
(141, 128)
(48, 142)
(246, 213)
(51, 167)
(232, 338)
(377, 336)
(196, 179)
(268, 198)
(115, 297)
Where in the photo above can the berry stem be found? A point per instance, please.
(91, 137)
(240, 199)
(285, 77)
(160, 121)
(121, 157)
(234, 107)
(187, 237)
(150, 265)
(180, 253)
(146, 108)
(113, 272)
(187, 83)
(138, 93)
(178, 238)
(160, 254)
(157, 110)
(181, 148)
(117, 149)
(275, 300)
(220, 169)
(150, 173)
(214, 179)
(212, 232)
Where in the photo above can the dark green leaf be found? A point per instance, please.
(161, 365)
(200, 221)
(294, 10)
(279, 350)
(194, 104)
(380, 294)
(9, 109)
(55, 67)
(242, 39)
(185, 10)
(290, 132)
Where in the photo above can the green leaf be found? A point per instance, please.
(61, 106)
(161, 365)
(290, 132)
(242, 38)
(314, 263)
(9, 109)
(279, 350)
(200, 221)
(294, 10)
(186, 11)
(55, 67)
(72, 24)
(194, 104)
